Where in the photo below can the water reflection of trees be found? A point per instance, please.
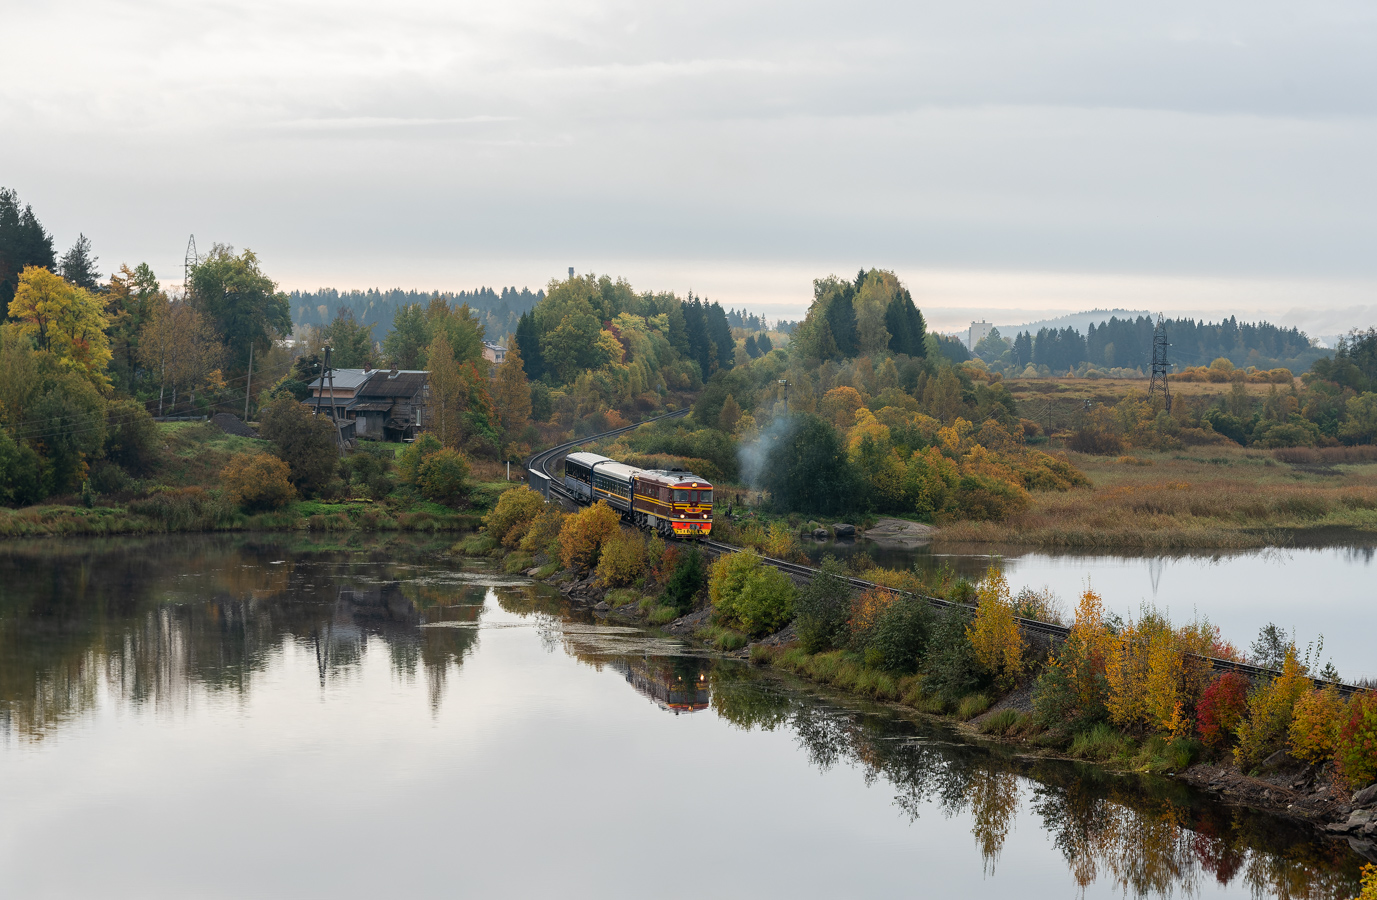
(1144, 836)
(151, 623)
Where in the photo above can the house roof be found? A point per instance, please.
(380, 406)
(384, 384)
(345, 379)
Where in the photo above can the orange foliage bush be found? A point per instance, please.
(1270, 709)
(839, 406)
(1085, 652)
(258, 482)
(544, 531)
(623, 558)
(582, 535)
(868, 607)
(1315, 724)
(513, 514)
(1357, 743)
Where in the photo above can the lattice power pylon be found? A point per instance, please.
(1160, 366)
(187, 265)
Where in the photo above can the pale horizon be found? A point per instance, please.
(997, 157)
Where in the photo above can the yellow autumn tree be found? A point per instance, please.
(1087, 649)
(1145, 674)
(583, 534)
(512, 393)
(448, 391)
(1271, 706)
(178, 346)
(730, 414)
(65, 320)
(1316, 721)
(994, 633)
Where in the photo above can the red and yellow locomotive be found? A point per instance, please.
(673, 503)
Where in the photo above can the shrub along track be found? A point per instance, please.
(1048, 632)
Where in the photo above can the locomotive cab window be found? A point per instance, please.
(705, 496)
(683, 496)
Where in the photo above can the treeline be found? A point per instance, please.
(1126, 345)
(864, 428)
(1333, 404)
(873, 314)
(497, 312)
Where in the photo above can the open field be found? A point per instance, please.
(1206, 497)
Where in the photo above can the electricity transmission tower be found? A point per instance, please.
(1160, 365)
(187, 265)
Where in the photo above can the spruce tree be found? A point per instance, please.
(23, 242)
(78, 265)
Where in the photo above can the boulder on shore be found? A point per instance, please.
(843, 530)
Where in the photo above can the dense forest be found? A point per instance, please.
(374, 309)
(1124, 347)
(856, 406)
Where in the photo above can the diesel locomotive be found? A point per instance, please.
(675, 504)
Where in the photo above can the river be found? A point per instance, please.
(1318, 594)
(275, 716)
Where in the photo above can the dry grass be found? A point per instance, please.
(1215, 497)
(1066, 391)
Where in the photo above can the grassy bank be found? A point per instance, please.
(983, 712)
(1208, 497)
(183, 494)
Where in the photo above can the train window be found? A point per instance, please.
(705, 496)
(683, 496)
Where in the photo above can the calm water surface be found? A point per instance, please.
(1311, 592)
(240, 716)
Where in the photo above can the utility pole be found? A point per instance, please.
(334, 416)
(321, 393)
(1160, 365)
(248, 388)
(786, 396)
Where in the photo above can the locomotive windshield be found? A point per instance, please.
(683, 496)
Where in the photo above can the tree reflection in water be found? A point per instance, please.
(1146, 836)
(161, 622)
(146, 622)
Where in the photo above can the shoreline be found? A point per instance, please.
(1305, 795)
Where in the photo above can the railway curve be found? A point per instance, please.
(537, 468)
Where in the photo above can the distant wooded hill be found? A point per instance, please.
(498, 312)
(1127, 343)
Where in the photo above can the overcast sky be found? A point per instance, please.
(1000, 156)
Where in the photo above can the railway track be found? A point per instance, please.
(539, 464)
(1050, 629)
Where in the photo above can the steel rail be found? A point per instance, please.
(539, 462)
(1050, 629)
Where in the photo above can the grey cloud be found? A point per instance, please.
(1232, 139)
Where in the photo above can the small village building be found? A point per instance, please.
(494, 353)
(391, 405)
(338, 391)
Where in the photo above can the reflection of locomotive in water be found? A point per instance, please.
(675, 683)
(673, 503)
